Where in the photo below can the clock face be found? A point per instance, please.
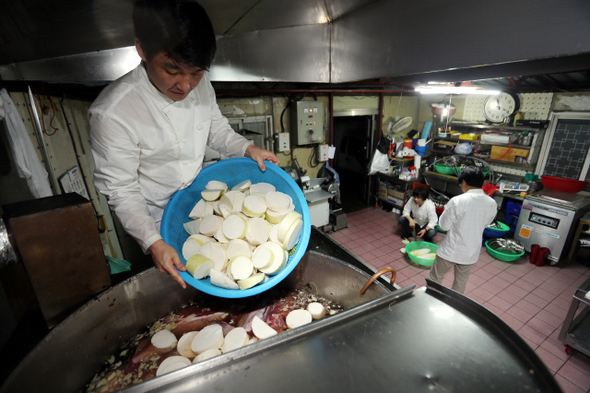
(499, 107)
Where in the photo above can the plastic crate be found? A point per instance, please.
(513, 208)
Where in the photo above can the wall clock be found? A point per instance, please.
(499, 107)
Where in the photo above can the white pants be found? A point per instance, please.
(441, 266)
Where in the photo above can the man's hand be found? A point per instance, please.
(412, 223)
(165, 258)
(421, 233)
(260, 155)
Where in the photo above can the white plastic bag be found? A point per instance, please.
(379, 163)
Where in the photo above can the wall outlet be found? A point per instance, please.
(282, 142)
(323, 151)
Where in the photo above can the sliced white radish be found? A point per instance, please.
(273, 234)
(261, 329)
(184, 345)
(192, 227)
(209, 337)
(199, 210)
(254, 206)
(210, 225)
(286, 224)
(241, 268)
(222, 280)
(252, 340)
(261, 189)
(298, 318)
(278, 201)
(276, 217)
(317, 310)
(279, 260)
(258, 231)
(262, 257)
(228, 199)
(216, 185)
(170, 364)
(164, 341)
(207, 355)
(238, 202)
(251, 281)
(221, 237)
(242, 186)
(234, 227)
(190, 247)
(215, 252)
(235, 339)
(293, 235)
(211, 195)
(238, 247)
(199, 266)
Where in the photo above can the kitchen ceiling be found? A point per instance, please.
(528, 45)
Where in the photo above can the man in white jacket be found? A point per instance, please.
(419, 216)
(465, 217)
(150, 128)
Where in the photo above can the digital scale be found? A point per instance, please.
(548, 218)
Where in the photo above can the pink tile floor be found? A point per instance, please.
(532, 300)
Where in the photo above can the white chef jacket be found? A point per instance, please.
(424, 215)
(465, 217)
(147, 146)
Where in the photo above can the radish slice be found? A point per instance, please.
(237, 248)
(222, 280)
(192, 227)
(207, 355)
(276, 217)
(273, 234)
(241, 268)
(298, 318)
(242, 186)
(286, 224)
(251, 281)
(228, 199)
(211, 195)
(262, 257)
(190, 247)
(235, 339)
(221, 237)
(199, 266)
(317, 310)
(216, 185)
(258, 231)
(252, 340)
(260, 189)
(279, 260)
(209, 337)
(199, 210)
(254, 206)
(216, 253)
(261, 329)
(234, 227)
(238, 202)
(184, 345)
(210, 225)
(293, 235)
(278, 201)
(164, 341)
(172, 363)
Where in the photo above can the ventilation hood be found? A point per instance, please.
(309, 41)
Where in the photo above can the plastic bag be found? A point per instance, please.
(379, 163)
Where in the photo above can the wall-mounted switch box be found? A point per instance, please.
(307, 122)
(282, 142)
(323, 151)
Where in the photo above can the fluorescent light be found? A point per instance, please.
(454, 90)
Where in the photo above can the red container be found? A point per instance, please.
(562, 184)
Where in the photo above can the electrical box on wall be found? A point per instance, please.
(282, 142)
(307, 122)
(323, 153)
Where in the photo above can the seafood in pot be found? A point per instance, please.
(139, 359)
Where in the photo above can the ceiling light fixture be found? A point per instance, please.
(432, 89)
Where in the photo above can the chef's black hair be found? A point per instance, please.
(472, 175)
(420, 192)
(179, 28)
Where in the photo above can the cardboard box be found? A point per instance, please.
(509, 154)
(395, 201)
(395, 194)
(382, 192)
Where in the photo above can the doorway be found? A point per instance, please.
(354, 138)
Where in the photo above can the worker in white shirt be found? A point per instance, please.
(419, 216)
(150, 128)
(465, 217)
